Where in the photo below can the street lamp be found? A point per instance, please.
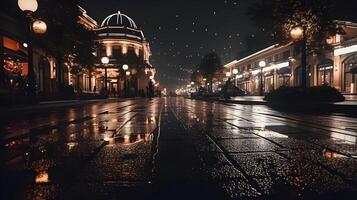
(105, 61)
(28, 5)
(127, 73)
(262, 64)
(38, 27)
(235, 72)
(298, 35)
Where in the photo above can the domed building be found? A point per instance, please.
(121, 40)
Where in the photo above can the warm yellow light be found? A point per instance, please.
(127, 73)
(151, 77)
(105, 60)
(39, 27)
(297, 33)
(262, 63)
(228, 74)
(28, 5)
(235, 71)
(125, 67)
(42, 177)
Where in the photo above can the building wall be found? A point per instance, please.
(326, 68)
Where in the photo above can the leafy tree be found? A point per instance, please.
(281, 16)
(209, 65)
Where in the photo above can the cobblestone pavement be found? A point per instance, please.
(176, 148)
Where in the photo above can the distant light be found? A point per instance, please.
(105, 60)
(127, 73)
(192, 83)
(151, 77)
(277, 66)
(345, 50)
(28, 5)
(125, 67)
(262, 63)
(228, 74)
(39, 27)
(255, 72)
(235, 71)
(297, 33)
(25, 44)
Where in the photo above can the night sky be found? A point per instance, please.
(180, 32)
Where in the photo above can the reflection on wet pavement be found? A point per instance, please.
(176, 147)
(279, 155)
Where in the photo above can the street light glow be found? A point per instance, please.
(262, 63)
(39, 27)
(228, 74)
(27, 5)
(235, 71)
(105, 60)
(297, 33)
(25, 44)
(125, 67)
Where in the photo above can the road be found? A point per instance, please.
(175, 148)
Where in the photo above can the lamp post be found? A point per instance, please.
(298, 35)
(262, 64)
(235, 72)
(105, 61)
(34, 26)
(126, 73)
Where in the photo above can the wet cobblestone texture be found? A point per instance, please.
(176, 148)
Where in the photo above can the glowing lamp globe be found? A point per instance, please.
(297, 33)
(105, 60)
(127, 73)
(125, 67)
(27, 5)
(228, 74)
(39, 27)
(262, 63)
(235, 71)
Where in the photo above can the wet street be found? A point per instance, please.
(176, 148)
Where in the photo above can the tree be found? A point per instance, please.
(312, 16)
(210, 64)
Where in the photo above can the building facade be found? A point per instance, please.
(119, 39)
(14, 56)
(336, 67)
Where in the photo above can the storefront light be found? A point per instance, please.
(25, 45)
(277, 66)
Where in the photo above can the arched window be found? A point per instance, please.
(350, 73)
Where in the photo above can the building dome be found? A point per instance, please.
(120, 26)
(119, 19)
